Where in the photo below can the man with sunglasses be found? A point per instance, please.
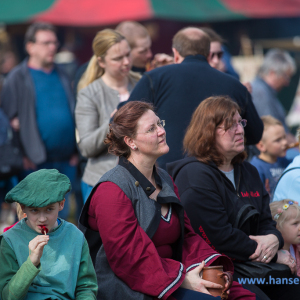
(218, 57)
(38, 99)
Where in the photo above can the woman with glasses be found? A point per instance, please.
(106, 82)
(223, 194)
(147, 248)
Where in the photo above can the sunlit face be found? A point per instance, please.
(47, 216)
(278, 81)
(151, 136)
(44, 48)
(117, 61)
(231, 142)
(284, 79)
(141, 53)
(290, 229)
(215, 55)
(274, 141)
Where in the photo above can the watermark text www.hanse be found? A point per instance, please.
(269, 280)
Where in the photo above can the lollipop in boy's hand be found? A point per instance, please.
(44, 229)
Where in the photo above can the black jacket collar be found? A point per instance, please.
(191, 58)
(140, 178)
(138, 70)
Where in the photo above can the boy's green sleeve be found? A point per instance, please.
(14, 281)
(86, 287)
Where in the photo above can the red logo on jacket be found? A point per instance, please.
(204, 236)
(252, 194)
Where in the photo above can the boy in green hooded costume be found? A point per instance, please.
(37, 265)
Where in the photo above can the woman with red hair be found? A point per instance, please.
(223, 194)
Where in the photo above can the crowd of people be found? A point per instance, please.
(167, 189)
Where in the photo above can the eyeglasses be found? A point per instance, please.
(234, 126)
(154, 128)
(48, 43)
(218, 54)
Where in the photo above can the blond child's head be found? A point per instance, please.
(41, 195)
(21, 215)
(273, 143)
(286, 213)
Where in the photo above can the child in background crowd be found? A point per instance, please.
(271, 161)
(287, 215)
(59, 265)
(21, 215)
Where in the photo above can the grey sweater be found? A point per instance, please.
(95, 103)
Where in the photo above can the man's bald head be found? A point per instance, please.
(191, 41)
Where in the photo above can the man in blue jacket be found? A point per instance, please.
(176, 90)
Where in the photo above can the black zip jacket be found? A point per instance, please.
(212, 204)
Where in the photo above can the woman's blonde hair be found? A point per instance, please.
(103, 40)
(282, 214)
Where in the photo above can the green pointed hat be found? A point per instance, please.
(40, 188)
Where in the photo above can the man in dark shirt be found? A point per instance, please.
(38, 100)
(176, 90)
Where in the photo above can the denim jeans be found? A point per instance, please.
(184, 294)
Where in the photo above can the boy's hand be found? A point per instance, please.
(36, 247)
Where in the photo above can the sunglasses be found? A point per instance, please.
(219, 54)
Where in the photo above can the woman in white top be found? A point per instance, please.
(106, 82)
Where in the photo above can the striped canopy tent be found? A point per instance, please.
(103, 12)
